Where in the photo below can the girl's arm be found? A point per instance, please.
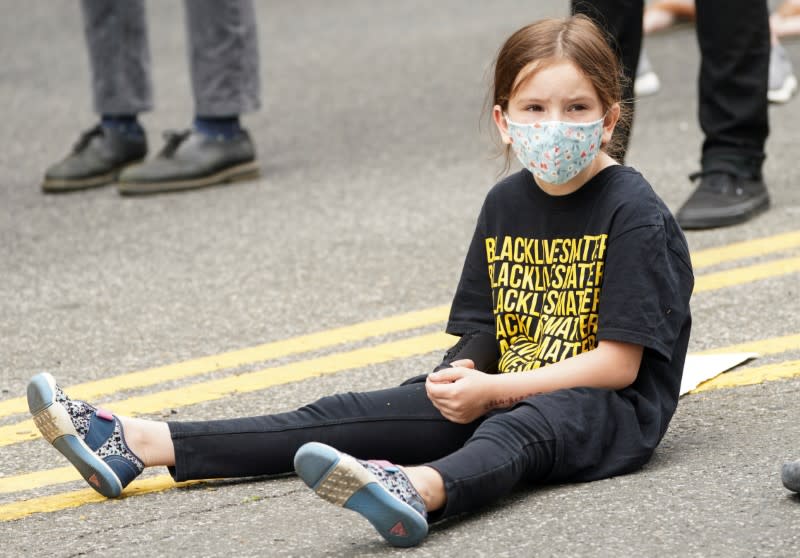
(463, 394)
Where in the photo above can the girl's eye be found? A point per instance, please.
(576, 108)
(534, 108)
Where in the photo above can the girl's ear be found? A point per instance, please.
(610, 121)
(500, 122)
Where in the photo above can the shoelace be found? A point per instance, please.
(396, 482)
(717, 181)
(87, 137)
(720, 182)
(173, 141)
(79, 412)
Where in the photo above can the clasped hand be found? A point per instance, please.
(460, 393)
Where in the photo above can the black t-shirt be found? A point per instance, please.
(550, 276)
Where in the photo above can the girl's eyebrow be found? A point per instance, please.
(582, 98)
(576, 98)
(528, 100)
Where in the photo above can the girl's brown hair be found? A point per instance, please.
(576, 39)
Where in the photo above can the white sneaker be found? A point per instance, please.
(646, 82)
(782, 81)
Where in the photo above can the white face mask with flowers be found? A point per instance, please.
(555, 151)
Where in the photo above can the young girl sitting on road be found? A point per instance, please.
(573, 313)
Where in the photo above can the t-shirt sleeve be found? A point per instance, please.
(472, 304)
(646, 289)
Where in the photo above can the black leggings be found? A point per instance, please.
(479, 462)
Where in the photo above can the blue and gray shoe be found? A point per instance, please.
(91, 438)
(378, 490)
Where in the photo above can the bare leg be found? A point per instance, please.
(662, 14)
(429, 484)
(785, 21)
(150, 440)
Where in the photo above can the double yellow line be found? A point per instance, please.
(252, 381)
(347, 360)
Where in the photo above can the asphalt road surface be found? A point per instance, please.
(376, 156)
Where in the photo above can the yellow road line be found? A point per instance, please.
(255, 381)
(38, 479)
(77, 498)
(91, 391)
(746, 249)
(750, 376)
(771, 346)
(57, 502)
(722, 279)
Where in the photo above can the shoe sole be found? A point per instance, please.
(785, 93)
(245, 171)
(341, 480)
(55, 424)
(63, 185)
(726, 221)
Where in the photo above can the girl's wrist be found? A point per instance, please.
(497, 396)
(505, 391)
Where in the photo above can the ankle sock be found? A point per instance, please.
(223, 127)
(127, 124)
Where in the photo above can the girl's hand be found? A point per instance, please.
(463, 394)
(460, 393)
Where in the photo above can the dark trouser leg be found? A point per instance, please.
(116, 37)
(508, 448)
(622, 19)
(224, 61)
(735, 47)
(399, 424)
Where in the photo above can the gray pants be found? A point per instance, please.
(223, 55)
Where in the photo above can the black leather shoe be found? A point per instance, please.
(722, 199)
(192, 160)
(96, 160)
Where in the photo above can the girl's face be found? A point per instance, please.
(558, 91)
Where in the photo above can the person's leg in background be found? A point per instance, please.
(224, 63)
(622, 19)
(663, 14)
(785, 21)
(119, 58)
(734, 39)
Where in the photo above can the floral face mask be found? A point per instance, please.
(555, 151)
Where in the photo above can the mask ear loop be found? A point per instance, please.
(605, 115)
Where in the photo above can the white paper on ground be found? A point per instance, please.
(699, 368)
